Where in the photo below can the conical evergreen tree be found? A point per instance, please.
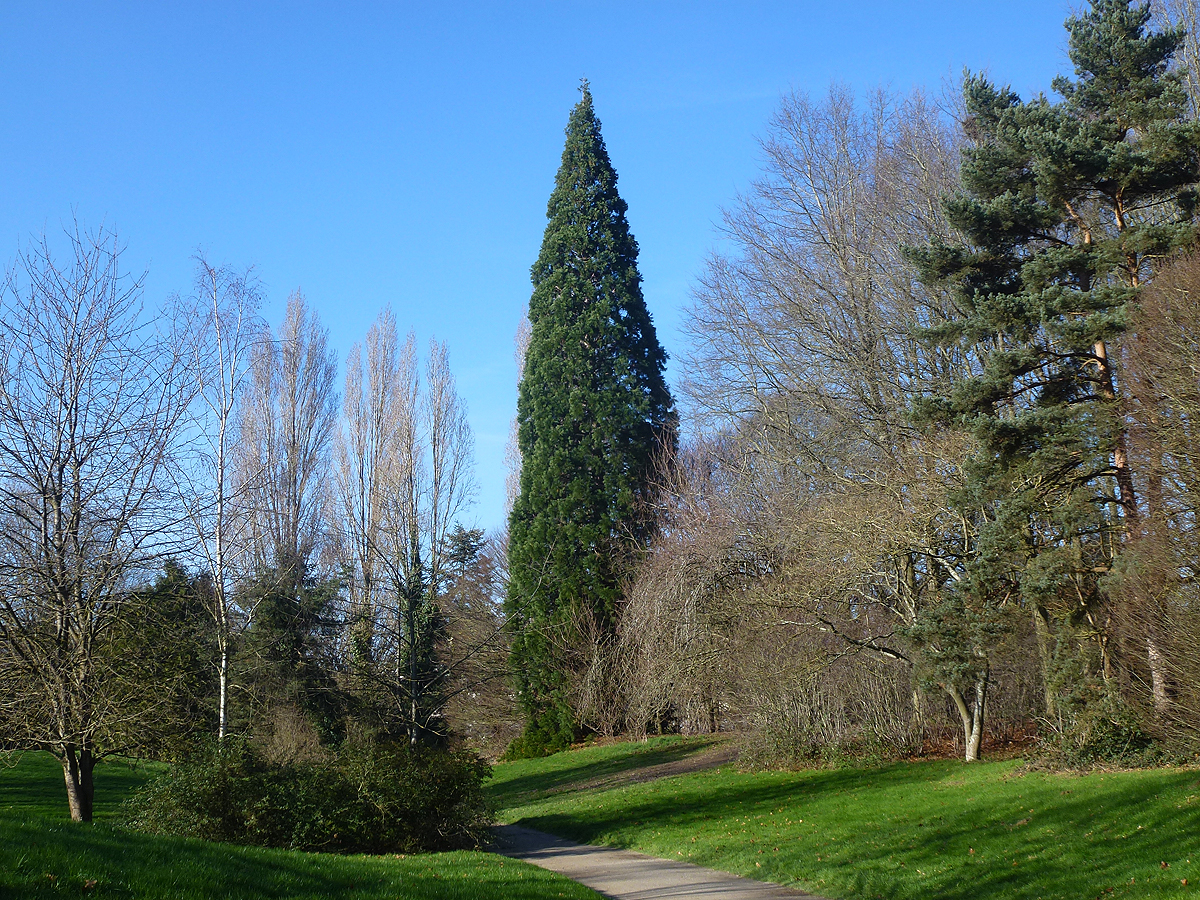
(593, 408)
(1066, 209)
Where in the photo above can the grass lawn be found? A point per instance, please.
(44, 854)
(939, 829)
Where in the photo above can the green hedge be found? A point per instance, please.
(376, 800)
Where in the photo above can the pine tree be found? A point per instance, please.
(1066, 209)
(593, 409)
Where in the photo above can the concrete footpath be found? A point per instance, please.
(625, 875)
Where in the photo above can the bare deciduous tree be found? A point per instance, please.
(365, 449)
(405, 475)
(807, 356)
(451, 485)
(1184, 14)
(286, 428)
(90, 400)
(1164, 368)
(434, 481)
(219, 332)
(481, 704)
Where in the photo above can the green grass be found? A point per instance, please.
(44, 854)
(940, 829)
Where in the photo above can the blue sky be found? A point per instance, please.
(403, 153)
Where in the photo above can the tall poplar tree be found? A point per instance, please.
(1066, 210)
(593, 408)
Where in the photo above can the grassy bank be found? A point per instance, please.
(44, 854)
(940, 829)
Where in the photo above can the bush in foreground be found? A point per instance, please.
(382, 799)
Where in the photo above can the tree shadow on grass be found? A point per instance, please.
(584, 767)
(44, 859)
(896, 832)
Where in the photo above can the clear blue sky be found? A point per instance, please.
(403, 153)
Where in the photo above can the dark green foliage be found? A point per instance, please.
(1092, 725)
(164, 638)
(1066, 210)
(284, 660)
(955, 635)
(420, 686)
(463, 547)
(593, 409)
(376, 800)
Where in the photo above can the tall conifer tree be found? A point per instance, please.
(1066, 209)
(593, 408)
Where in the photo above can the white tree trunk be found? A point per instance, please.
(971, 716)
(1158, 675)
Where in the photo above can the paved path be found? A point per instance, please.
(625, 875)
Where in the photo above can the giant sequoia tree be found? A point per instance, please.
(592, 409)
(1066, 210)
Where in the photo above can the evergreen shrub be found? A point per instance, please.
(379, 799)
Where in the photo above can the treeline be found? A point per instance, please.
(944, 492)
(201, 537)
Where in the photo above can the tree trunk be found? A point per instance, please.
(972, 717)
(1158, 675)
(1041, 627)
(223, 689)
(1124, 475)
(77, 772)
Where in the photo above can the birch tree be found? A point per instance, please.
(220, 333)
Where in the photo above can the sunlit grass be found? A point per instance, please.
(940, 829)
(43, 854)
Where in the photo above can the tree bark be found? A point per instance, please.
(223, 696)
(972, 717)
(1041, 627)
(77, 772)
(1158, 675)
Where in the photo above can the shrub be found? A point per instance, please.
(365, 800)
(1104, 730)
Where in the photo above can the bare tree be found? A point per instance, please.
(433, 481)
(404, 477)
(481, 705)
(1164, 369)
(219, 330)
(90, 401)
(512, 450)
(286, 429)
(451, 485)
(375, 419)
(807, 356)
(1184, 14)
